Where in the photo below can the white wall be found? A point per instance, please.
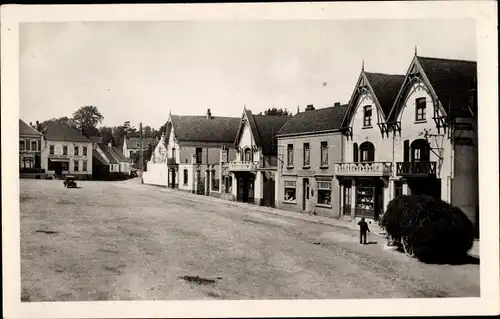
(180, 177)
(247, 140)
(58, 151)
(156, 174)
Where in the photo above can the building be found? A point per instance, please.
(366, 169)
(132, 145)
(66, 151)
(253, 170)
(195, 146)
(309, 146)
(110, 160)
(30, 152)
(434, 127)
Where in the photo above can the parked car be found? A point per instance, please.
(69, 182)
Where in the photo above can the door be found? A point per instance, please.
(58, 168)
(347, 199)
(305, 193)
(173, 178)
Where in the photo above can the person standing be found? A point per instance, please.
(363, 229)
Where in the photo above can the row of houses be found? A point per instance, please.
(398, 134)
(59, 149)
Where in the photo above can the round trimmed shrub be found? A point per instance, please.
(431, 229)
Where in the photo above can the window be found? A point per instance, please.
(229, 184)
(420, 105)
(324, 193)
(33, 145)
(84, 166)
(365, 201)
(248, 155)
(307, 153)
(398, 189)
(27, 162)
(199, 152)
(85, 151)
(77, 150)
(324, 154)
(65, 150)
(367, 152)
(215, 181)
(173, 153)
(65, 166)
(290, 191)
(21, 145)
(367, 118)
(27, 145)
(76, 166)
(290, 155)
(51, 149)
(185, 177)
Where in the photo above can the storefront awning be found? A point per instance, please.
(59, 159)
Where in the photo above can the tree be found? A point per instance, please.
(119, 134)
(87, 118)
(106, 134)
(147, 132)
(62, 120)
(278, 112)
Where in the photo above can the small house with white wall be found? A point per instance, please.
(112, 158)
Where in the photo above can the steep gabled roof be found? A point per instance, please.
(135, 142)
(451, 80)
(202, 129)
(118, 154)
(97, 156)
(108, 152)
(268, 127)
(313, 121)
(63, 132)
(386, 88)
(25, 129)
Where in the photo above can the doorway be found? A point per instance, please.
(305, 193)
(347, 198)
(173, 178)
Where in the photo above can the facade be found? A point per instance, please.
(309, 146)
(196, 146)
(132, 145)
(252, 173)
(112, 158)
(66, 151)
(434, 126)
(30, 149)
(366, 170)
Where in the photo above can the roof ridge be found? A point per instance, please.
(446, 59)
(378, 73)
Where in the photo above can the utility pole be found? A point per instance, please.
(141, 165)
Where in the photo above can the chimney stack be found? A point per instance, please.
(209, 114)
(337, 104)
(310, 107)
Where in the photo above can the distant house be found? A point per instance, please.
(253, 171)
(132, 145)
(112, 159)
(30, 144)
(66, 152)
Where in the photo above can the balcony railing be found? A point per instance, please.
(423, 169)
(245, 166)
(364, 169)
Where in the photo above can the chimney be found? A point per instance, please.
(31, 124)
(209, 114)
(337, 104)
(310, 107)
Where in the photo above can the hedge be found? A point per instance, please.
(428, 228)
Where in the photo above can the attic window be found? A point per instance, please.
(420, 106)
(367, 116)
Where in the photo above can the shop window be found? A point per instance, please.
(21, 145)
(420, 109)
(85, 151)
(290, 155)
(290, 191)
(367, 118)
(185, 179)
(33, 145)
(27, 162)
(324, 154)
(324, 193)
(365, 200)
(307, 153)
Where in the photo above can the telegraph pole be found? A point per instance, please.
(141, 154)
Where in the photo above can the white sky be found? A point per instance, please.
(139, 71)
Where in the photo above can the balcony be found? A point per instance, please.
(364, 169)
(416, 169)
(243, 166)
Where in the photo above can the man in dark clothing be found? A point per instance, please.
(363, 228)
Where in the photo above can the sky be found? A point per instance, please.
(142, 71)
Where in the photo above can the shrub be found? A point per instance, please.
(431, 229)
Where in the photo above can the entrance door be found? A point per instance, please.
(58, 168)
(173, 178)
(347, 199)
(305, 193)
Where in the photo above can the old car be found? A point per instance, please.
(69, 181)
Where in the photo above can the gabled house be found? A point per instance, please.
(113, 157)
(195, 147)
(132, 145)
(253, 171)
(65, 151)
(30, 145)
(309, 145)
(434, 125)
(366, 169)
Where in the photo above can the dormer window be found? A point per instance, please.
(420, 106)
(248, 155)
(367, 116)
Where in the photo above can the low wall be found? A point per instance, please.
(157, 174)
